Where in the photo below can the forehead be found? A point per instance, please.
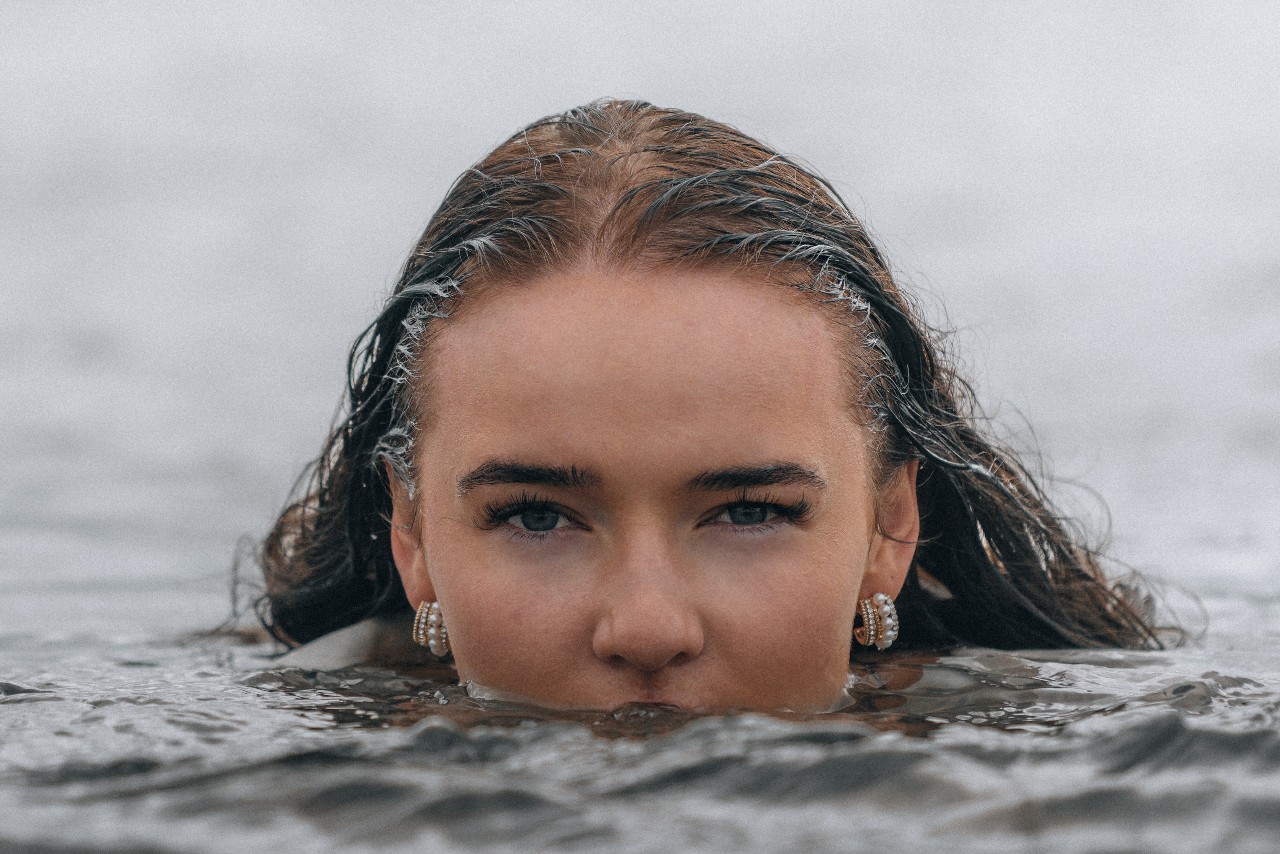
(592, 356)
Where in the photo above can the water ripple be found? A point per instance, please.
(207, 748)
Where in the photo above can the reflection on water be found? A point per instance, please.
(204, 746)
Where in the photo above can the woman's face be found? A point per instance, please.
(647, 487)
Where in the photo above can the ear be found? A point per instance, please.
(406, 543)
(893, 544)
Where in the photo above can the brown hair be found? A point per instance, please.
(625, 183)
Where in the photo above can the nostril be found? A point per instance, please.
(650, 664)
(648, 639)
(648, 659)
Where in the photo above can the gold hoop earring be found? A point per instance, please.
(429, 630)
(879, 618)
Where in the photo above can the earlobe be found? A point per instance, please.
(406, 544)
(893, 545)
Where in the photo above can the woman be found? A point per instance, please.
(647, 419)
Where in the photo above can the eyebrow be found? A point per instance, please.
(743, 477)
(507, 471)
(497, 472)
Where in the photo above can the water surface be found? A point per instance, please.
(202, 746)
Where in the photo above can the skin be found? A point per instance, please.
(653, 585)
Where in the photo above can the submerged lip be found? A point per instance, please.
(659, 692)
(652, 699)
(658, 701)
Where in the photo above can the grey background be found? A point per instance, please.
(202, 205)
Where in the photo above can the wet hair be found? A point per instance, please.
(625, 184)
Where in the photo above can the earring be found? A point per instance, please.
(879, 622)
(429, 630)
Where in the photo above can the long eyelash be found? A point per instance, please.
(497, 512)
(793, 511)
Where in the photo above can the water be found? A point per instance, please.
(195, 746)
(199, 208)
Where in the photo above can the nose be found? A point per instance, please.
(649, 621)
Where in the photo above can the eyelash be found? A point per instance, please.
(498, 513)
(792, 513)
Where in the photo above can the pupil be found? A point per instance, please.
(748, 514)
(539, 520)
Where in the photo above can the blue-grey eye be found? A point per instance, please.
(539, 520)
(748, 514)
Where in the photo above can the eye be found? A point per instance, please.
(761, 515)
(528, 517)
(537, 520)
(748, 514)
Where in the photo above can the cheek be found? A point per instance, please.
(510, 628)
(790, 623)
(801, 610)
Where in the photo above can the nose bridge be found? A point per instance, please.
(650, 618)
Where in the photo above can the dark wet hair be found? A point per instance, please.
(627, 184)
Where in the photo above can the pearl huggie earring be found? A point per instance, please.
(429, 630)
(879, 622)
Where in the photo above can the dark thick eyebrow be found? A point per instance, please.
(769, 474)
(509, 471)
